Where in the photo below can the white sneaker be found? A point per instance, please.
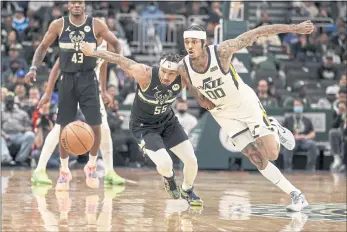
(286, 136)
(299, 202)
(336, 164)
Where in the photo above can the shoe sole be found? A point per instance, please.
(196, 203)
(303, 207)
(35, 182)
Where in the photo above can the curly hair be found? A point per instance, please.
(171, 57)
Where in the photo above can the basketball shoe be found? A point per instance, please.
(111, 178)
(286, 136)
(40, 178)
(191, 197)
(63, 182)
(92, 179)
(299, 202)
(171, 187)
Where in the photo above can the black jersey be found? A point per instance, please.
(71, 58)
(154, 103)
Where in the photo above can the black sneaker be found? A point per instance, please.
(190, 196)
(171, 187)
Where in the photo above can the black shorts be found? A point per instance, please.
(165, 134)
(82, 88)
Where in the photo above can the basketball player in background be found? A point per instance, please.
(111, 178)
(78, 83)
(237, 108)
(153, 122)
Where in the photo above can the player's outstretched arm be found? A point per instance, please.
(40, 53)
(201, 99)
(142, 73)
(228, 47)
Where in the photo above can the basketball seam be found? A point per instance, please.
(78, 139)
(67, 141)
(91, 135)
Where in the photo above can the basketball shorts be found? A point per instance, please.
(79, 88)
(155, 136)
(245, 123)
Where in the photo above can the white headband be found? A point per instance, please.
(194, 34)
(169, 65)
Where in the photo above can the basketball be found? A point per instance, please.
(77, 138)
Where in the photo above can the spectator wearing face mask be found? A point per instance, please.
(304, 133)
(17, 130)
(341, 97)
(336, 134)
(328, 100)
(187, 120)
(20, 22)
(150, 19)
(330, 52)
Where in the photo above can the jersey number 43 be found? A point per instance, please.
(77, 58)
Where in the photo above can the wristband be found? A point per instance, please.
(33, 68)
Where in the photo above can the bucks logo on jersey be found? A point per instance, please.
(77, 37)
(162, 96)
(213, 87)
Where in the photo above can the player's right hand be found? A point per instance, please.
(306, 27)
(46, 97)
(87, 48)
(31, 75)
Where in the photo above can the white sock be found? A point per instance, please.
(162, 160)
(185, 152)
(64, 164)
(106, 147)
(92, 160)
(49, 145)
(273, 174)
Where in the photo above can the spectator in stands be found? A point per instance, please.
(153, 13)
(112, 91)
(341, 97)
(20, 98)
(13, 63)
(43, 126)
(330, 52)
(4, 93)
(196, 8)
(304, 134)
(309, 9)
(20, 22)
(215, 15)
(327, 71)
(187, 120)
(264, 20)
(340, 41)
(336, 137)
(265, 99)
(300, 90)
(273, 91)
(6, 158)
(31, 30)
(16, 127)
(33, 101)
(303, 48)
(328, 100)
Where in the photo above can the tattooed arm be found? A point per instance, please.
(53, 32)
(201, 99)
(228, 47)
(142, 73)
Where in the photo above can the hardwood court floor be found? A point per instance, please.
(233, 202)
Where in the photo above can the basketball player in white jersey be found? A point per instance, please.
(111, 178)
(237, 108)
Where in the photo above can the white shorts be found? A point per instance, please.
(245, 123)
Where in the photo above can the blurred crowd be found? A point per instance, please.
(297, 72)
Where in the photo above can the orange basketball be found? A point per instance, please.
(77, 138)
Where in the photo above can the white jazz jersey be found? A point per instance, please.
(99, 61)
(238, 110)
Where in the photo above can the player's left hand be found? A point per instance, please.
(107, 99)
(306, 27)
(87, 48)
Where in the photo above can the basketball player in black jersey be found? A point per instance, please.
(153, 122)
(78, 83)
